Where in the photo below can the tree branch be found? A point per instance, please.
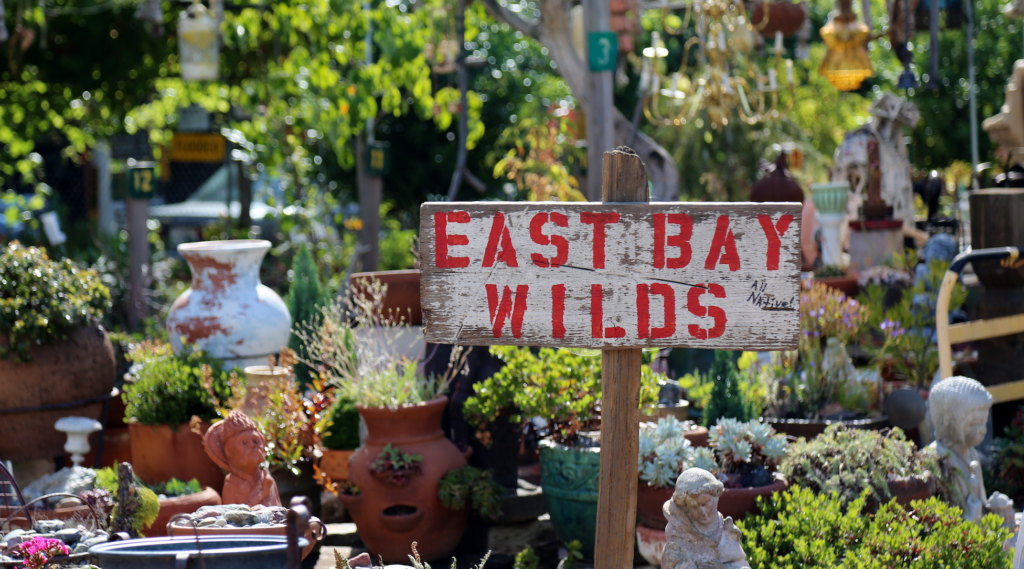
(530, 28)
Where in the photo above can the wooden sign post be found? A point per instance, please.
(619, 276)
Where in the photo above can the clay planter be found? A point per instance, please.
(651, 543)
(390, 517)
(316, 532)
(569, 477)
(402, 300)
(80, 368)
(738, 502)
(698, 437)
(161, 453)
(649, 502)
(847, 285)
(227, 312)
(809, 429)
(257, 377)
(335, 463)
(904, 491)
(169, 507)
(785, 17)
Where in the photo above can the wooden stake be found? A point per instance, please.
(624, 180)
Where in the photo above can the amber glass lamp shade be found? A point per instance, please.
(847, 63)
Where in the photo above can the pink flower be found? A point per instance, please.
(38, 550)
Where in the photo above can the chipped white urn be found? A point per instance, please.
(77, 430)
(227, 312)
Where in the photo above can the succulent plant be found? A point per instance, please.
(751, 449)
(664, 451)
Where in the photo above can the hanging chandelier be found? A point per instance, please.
(725, 78)
(847, 63)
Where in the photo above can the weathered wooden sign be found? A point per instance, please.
(613, 275)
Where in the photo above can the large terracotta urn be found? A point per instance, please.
(227, 312)
(390, 516)
(69, 377)
(162, 452)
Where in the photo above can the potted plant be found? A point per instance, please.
(179, 497)
(744, 455)
(54, 355)
(341, 439)
(809, 389)
(394, 479)
(164, 394)
(563, 389)
(851, 461)
(837, 279)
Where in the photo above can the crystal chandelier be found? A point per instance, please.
(726, 77)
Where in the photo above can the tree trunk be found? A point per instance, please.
(553, 31)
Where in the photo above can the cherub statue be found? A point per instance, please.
(697, 537)
(959, 413)
(236, 445)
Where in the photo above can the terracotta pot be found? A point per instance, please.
(335, 463)
(257, 377)
(738, 502)
(847, 285)
(80, 368)
(809, 429)
(909, 489)
(316, 532)
(785, 17)
(227, 312)
(390, 517)
(161, 453)
(649, 502)
(117, 446)
(698, 437)
(651, 543)
(402, 299)
(170, 507)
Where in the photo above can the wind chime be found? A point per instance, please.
(726, 77)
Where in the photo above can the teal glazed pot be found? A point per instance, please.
(830, 197)
(569, 477)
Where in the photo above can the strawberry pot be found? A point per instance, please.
(391, 512)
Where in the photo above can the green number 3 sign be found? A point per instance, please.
(603, 48)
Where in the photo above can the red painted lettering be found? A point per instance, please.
(500, 310)
(560, 243)
(499, 232)
(442, 240)
(774, 234)
(597, 329)
(693, 304)
(643, 293)
(599, 220)
(558, 311)
(681, 240)
(723, 239)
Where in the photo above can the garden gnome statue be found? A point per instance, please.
(697, 537)
(236, 445)
(959, 411)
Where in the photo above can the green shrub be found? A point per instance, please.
(174, 487)
(559, 386)
(305, 299)
(526, 559)
(41, 300)
(1007, 472)
(170, 390)
(469, 485)
(803, 530)
(726, 400)
(851, 461)
(343, 432)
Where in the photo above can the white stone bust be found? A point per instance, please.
(697, 537)
(959, 411)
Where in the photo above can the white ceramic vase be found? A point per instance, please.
(227, 312)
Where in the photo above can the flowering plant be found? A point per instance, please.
(38, 550)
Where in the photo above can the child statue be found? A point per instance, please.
(959, 411)
(236, 445)
(697, 537)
